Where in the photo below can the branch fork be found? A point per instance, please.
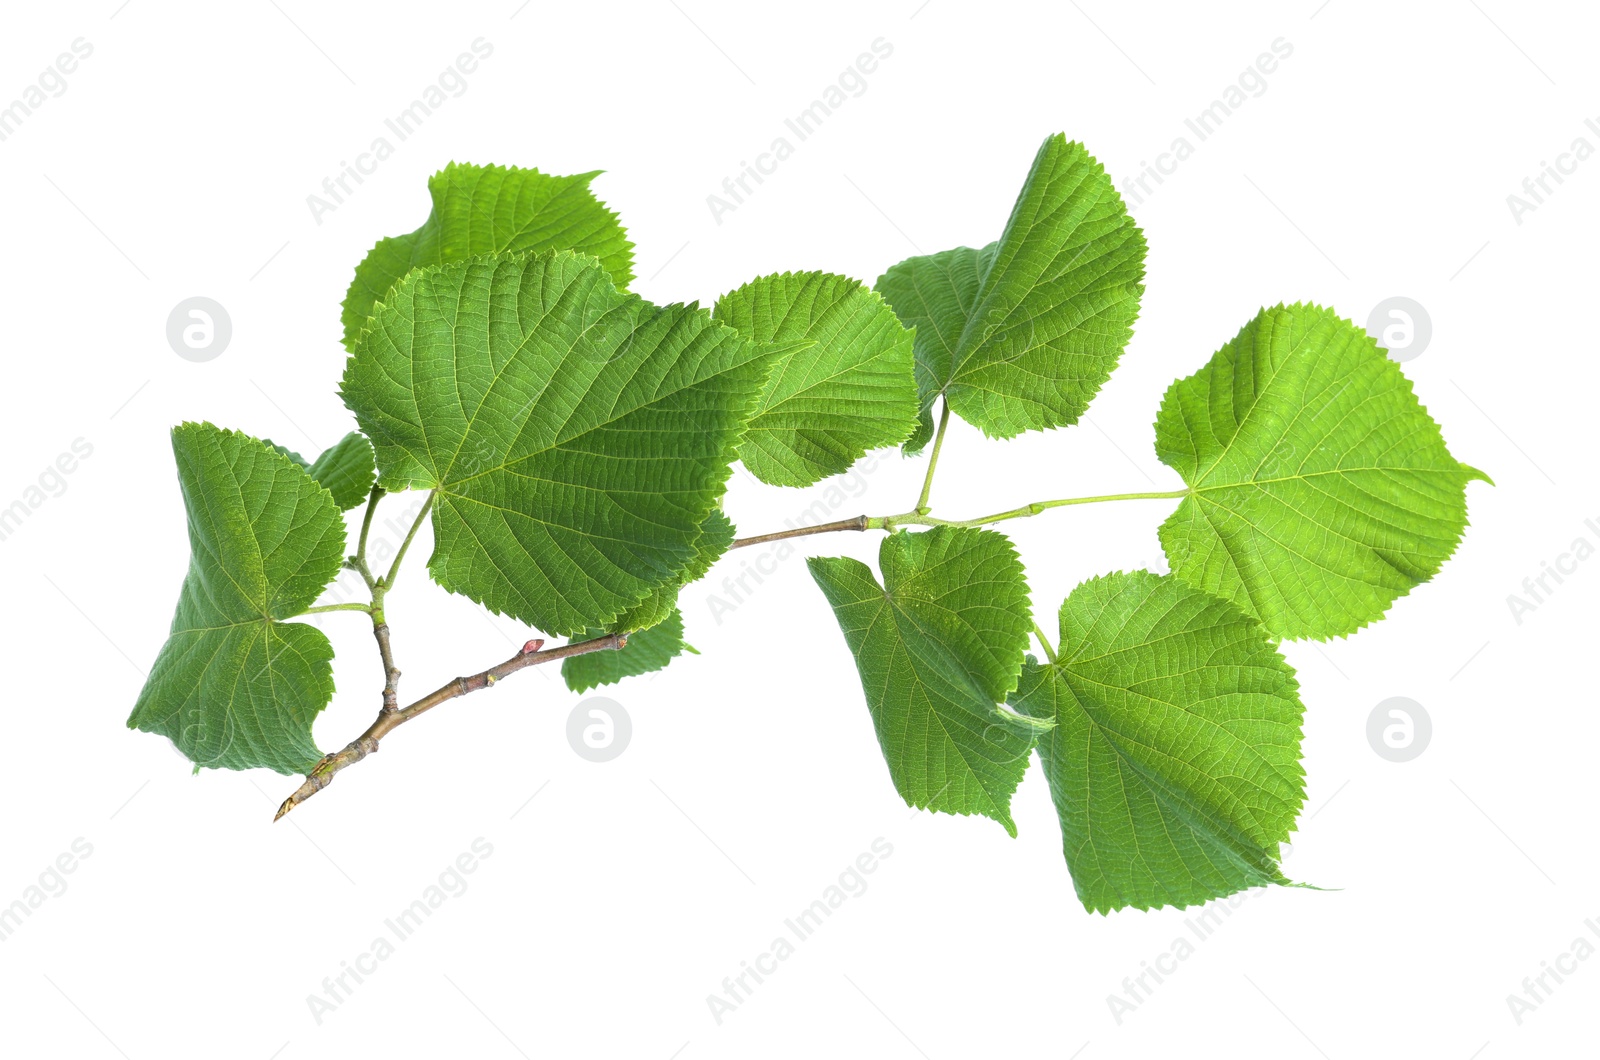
(530, 654)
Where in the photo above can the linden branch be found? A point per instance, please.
(323, 772)
(390, 714)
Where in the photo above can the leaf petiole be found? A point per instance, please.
(358, 562)
(894, 522)
(1044, 642)
(933, 456)
(394, 568)
(321, 608)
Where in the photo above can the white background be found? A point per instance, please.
(1376, 163)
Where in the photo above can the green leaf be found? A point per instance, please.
(646, 651)
(235, 687)
(576, 437)
(346, 470)
(1320, 490)
(716, 534)
(939, 646)
(1175, 758)
(492, 210)
(842, 383)
(654, 625)
(921, 436)
(1019, 336)
(296, 458)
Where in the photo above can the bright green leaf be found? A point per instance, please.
(576, 437)
(346, 470)
(1020, 335)
(921, 435)
(1320, 488)
(715, 537)
(647, 651)
(939, 645)
(1175, 758)
(842, 383)
(234, 686)
(492, 210)
(296, 458)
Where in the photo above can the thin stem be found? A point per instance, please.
(358, 562)
(933, 457)
(378, 588)
(321, 608)
(1044, 642)
(858, 523)
(323, 772)
(894, 522)
(366, 520)
(391, 672)
(394, 568)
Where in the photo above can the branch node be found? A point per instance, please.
(322, 774)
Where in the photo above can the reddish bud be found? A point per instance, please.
(532, 646)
